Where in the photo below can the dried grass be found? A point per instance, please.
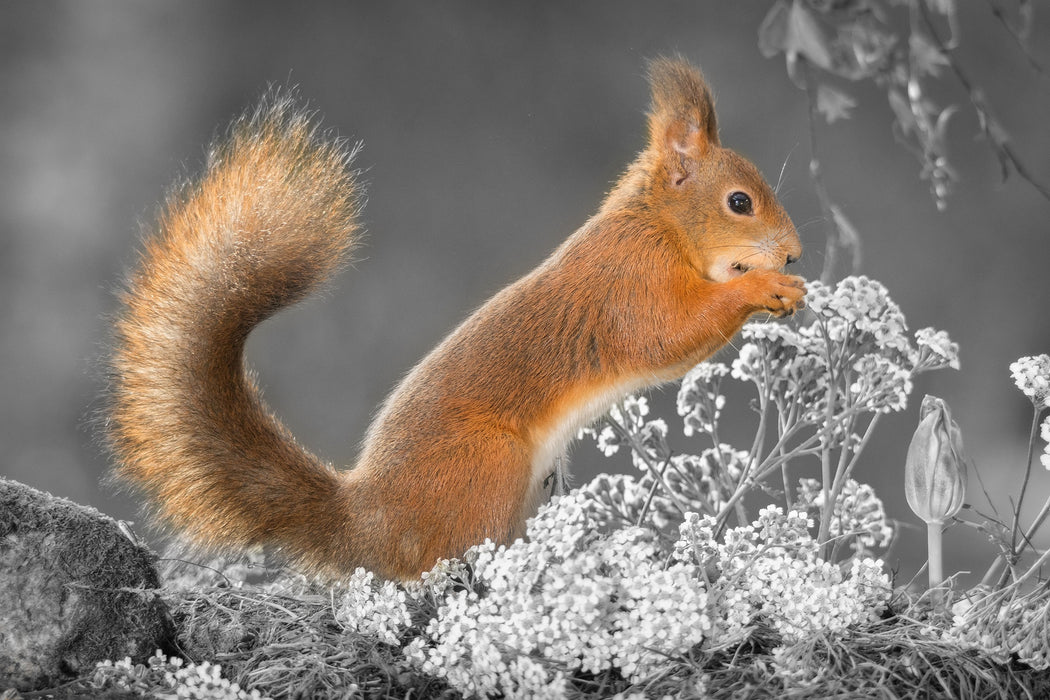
(288, 645)
(283, 640)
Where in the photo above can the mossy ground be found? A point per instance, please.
(286, 643)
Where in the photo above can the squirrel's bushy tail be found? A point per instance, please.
(271, 218)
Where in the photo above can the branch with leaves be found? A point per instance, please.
(897, 45)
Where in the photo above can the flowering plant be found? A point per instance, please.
(570, 599)
(628, 571)
(577, 599)
(821, 389)
(192, 681)
(1032, 376)
(660, 581)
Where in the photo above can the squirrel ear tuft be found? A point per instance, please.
(682, 115)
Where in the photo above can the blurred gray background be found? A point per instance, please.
(491, 132)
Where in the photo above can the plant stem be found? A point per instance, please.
(769, 464)
(1034, 568)
(1015, 548)
(934, 531)
(1024, 484)
(1030, 532)
(1004, 151)
(843, 474)
(825, 453)
(1026, 540)
(1019, 39)
(657, 471)
(813, 445)
(838, 240)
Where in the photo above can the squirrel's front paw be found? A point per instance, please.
(775, 292)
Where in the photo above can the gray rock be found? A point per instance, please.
(74, 590)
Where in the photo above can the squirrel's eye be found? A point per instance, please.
(739, 202)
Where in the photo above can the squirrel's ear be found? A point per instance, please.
(682, 117)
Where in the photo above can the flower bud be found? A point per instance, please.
(935, 471)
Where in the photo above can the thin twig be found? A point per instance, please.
(825, 454)
(1024, 484)
(836, 240)
(1015, 551)
(1019, 40)
(1001, 145)
(656, 472)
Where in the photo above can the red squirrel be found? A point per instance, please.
(688, 244)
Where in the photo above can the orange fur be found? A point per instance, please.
(659, 279)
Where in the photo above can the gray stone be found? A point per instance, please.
(74, 590)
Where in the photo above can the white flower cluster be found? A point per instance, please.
(629, 413)
(371, 608)
(569, 599)
(856, 353)
(772, 570)
(686, 483)
(1002, 628)
(706, 478)
(859, 333)
(191, 681)
(622, 497)
(1032, 376)
(881, 384)
(699, 402)
(439, 580)
(787, 364)
(815, 383)
(936, 350)
(859, 516)
(860, 306)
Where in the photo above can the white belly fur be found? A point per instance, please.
(552, 444)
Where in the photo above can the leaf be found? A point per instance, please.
(995, 132)
(864, 45)
(834, 104)
(902, 109)
(849, 237)
(991, 126)
(945, 7)
(795, 31)
(949, 9)
(926, 57)
(773, 30)
(1025, 15)
(939, 132)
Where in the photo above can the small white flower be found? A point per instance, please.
(373, 609)
(771, 569)
(936, 349)
(570, 599)
(860, 306)
(608, 441)
(858, 514)
(1031, 374)
(699, 402)
(881, 385)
